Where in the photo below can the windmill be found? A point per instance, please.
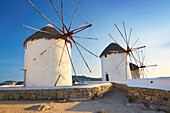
(129, 50)
(121, 68)
(66, 34)
(142, 65)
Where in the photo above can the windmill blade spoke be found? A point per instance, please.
(134, 49)
(135, 43)
(125, 32)
(83, 25)
(58, 15)
(120, 62)
(86, 49)
(145, 73)
(62, 54)
(71, 61)
(45, 16)
(46, 50)
(151, 65)
(81, 28)
(112, 38)
(120, 33)
(82, 57)
(136, 61)
(143, 57)
(37, 29)
(142, 73)
(84, 37)
(129, 36)
(74, 16)
(62, 13)
(138, 55)
(147, 70)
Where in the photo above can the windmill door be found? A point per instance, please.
(107, 77)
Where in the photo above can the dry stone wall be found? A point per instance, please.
(146, 95)
(155, 96)
(73, 92)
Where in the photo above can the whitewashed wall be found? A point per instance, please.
(109, 64)
(45, 70)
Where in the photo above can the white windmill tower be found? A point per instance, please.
(48, 52)
(112, 69)
(114, 59)
(45, 70)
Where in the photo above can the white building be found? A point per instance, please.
(45, 70)
(115, 65)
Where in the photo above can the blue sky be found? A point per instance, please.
(148, 18)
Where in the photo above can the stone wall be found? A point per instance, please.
(120, 86)
(155, 96)
(67, 92)
(146, 95)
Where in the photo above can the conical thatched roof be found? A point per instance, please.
(54, 34)
(112, 47)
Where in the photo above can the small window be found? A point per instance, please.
(105, 55)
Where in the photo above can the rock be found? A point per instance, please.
(79, 96)
(59, 94)
(99, 89)
(136, 94)
(84, 95)
(128, 104)
(168, 103)
(45, 97)
(148, 97)
(33, 97)
(89, 95)
(133, 91)
(11, 97)
(157, 94)
(39, 97)
(152, 107)
(65, 95)
(73, 95)
(162, 108)
(27, 96)
(45, 93)
(49, 97)
(1, 95)
(54, 96)
(140, 105)
(17, 97)
(154, 98)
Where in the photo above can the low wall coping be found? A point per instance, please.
(97, 84)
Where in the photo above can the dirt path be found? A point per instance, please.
(113, 102)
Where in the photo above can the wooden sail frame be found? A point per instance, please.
(67, 34)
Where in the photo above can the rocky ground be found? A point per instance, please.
(114, 102)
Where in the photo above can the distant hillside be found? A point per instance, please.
(84, 78)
